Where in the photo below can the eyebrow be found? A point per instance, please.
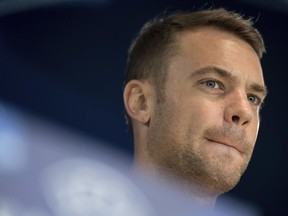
(214, 70)
(226, 74)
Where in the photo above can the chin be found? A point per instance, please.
(224, 183)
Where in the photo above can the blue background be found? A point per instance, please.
(64, 62)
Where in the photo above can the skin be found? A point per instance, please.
(202, 136)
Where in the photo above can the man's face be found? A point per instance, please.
(205, 130)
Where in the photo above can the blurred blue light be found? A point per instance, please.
(12, 145)
(15, 6)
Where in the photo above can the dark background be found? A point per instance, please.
(64, 62)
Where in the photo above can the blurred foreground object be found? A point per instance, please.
(52, 171)
(46, 170)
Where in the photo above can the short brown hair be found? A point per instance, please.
(154, 45)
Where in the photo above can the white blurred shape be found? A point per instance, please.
(13, 207)
(34, 212)
(9, 207)
(83, 187)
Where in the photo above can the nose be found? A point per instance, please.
(238, 109)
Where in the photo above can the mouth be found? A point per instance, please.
(224, 142)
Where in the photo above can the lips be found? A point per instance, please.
(226, 142)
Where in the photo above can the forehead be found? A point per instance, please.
(212, 47)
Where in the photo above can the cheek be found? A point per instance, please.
(193, 112)
(191, 119)
(203, 112)
(253, 130)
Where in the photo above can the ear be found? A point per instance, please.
(138, 100)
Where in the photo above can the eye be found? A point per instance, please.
(254, 99)
(212, 84)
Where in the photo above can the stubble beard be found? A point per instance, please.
(178, 164)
